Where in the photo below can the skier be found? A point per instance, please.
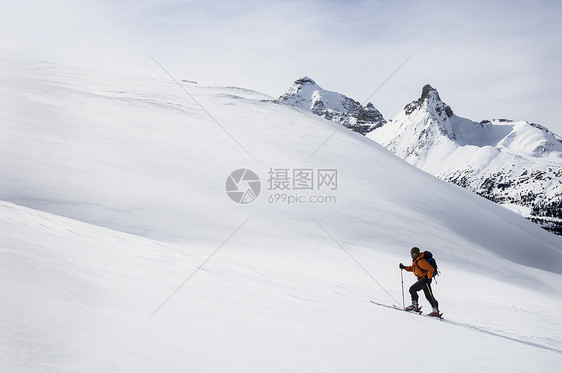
(424, 272)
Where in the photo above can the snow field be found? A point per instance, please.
(114, 195)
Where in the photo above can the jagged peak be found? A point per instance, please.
(305, 80)
(429, 92)
(429, 96)
(335, 106)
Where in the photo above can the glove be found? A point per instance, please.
(402, 266)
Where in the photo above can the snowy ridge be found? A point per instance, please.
(307, 95)
(515, 163)
(113, 194)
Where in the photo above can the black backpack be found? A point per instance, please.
(427, 255)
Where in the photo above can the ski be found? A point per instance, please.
(395, 307)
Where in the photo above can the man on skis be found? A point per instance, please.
(424, 272)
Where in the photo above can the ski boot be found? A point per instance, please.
(435, 312)
(414, 307)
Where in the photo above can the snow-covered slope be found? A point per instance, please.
(518, 164)
(307, 95)
(87, 158)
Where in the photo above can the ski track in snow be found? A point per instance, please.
(478, 329)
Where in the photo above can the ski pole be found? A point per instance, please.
(402, 278)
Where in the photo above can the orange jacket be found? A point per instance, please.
(420, 267)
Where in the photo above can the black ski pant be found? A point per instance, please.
(425, 285)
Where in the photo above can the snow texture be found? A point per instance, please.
(113, 196)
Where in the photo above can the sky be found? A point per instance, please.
(488, 59)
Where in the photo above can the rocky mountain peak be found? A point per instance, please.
(514, 163)
(306, 94)
(305, 80)
(429, 99)
(428, 92)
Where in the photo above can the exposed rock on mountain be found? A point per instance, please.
(514, 163)
(307, 95)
